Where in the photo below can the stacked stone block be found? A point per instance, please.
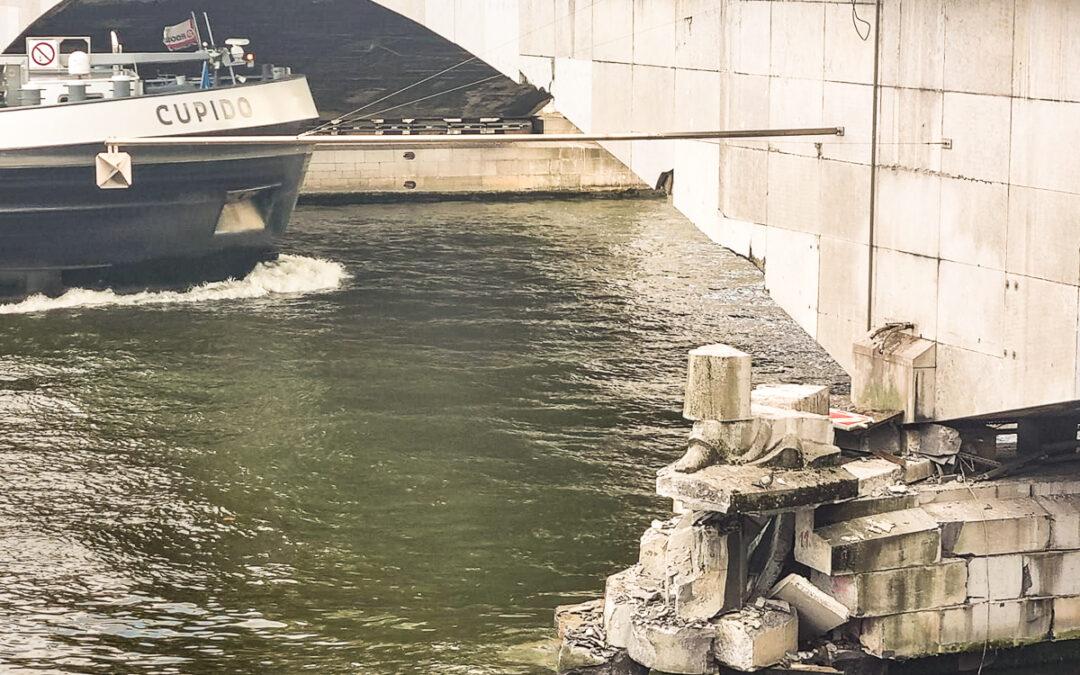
(906, 568)
(975, 570)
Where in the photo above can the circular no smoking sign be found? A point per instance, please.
(43, 54)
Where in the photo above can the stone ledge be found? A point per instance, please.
(752, 489)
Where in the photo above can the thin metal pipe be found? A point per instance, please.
(432, 139)
(873, 170)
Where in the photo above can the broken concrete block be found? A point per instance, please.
(874, 475)
(773, 436)
(618, 664)
(755, 638)
(957, 629)
(625, 594)
(706, 569)
(864, 506)
(1052, 573)
(653, 549)
(577, 657)
(999, 577)
(885, 541)
(935, 440)
(1066, 623)
(808, 398)
(917, 469)
(583, 648)
(956, 491)
(906, 589)
(754, 489)
(991, 527)
(718, 381)
(1060, 485)
(673, 647)
(570, 618)
(818, 612)
(1064, 513)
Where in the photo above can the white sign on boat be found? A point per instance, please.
(43, 53)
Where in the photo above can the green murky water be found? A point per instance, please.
(403, 474)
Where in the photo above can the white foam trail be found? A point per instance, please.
(288, 275)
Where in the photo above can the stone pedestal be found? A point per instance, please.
(718, 382)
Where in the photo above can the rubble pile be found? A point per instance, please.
(785, 551)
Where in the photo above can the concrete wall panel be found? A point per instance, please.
(797, 47)
(1046, 54)
(791, 274)
(909, 119)
(1044, 235)
(1045, 135)
(537, 27)
(613, 31)
(974, 222)
(971, 307)
(908, 212)
(979, 129)
(921, 63)
(979, 46)
(654, 32)
(1040, 327)
(749, 28)
(653, 108)
(845, 201)
(697, 99)
(573, 88)
(697, 166)
(849, 58)
(699, 37)
(744, 183)
(794, 197)
(906, 290)
(850, 106)
(795, 103)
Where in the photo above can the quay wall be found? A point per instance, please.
(511, 168)
(976, 245)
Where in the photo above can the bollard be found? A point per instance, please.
(718, 382)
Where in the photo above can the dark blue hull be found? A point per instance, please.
(54, 218)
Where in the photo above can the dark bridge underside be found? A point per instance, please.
(353, 51)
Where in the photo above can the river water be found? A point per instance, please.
(393, 451)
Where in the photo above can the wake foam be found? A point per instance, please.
(288, 275)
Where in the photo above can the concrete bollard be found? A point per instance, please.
(718, 382)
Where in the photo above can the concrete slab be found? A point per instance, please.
(755, 638)
(885, 541)
(957, 629)
(705, 569)
(999, 577)
(875, 475)
(818, 612)
(917, 469)
(1066, 624)
(907, 589)
(753, 489)
(1064, 510)
(808, 398)
(673, 648)
(991, 527)
(864, 506)
(1052, 573)
(625, 593)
